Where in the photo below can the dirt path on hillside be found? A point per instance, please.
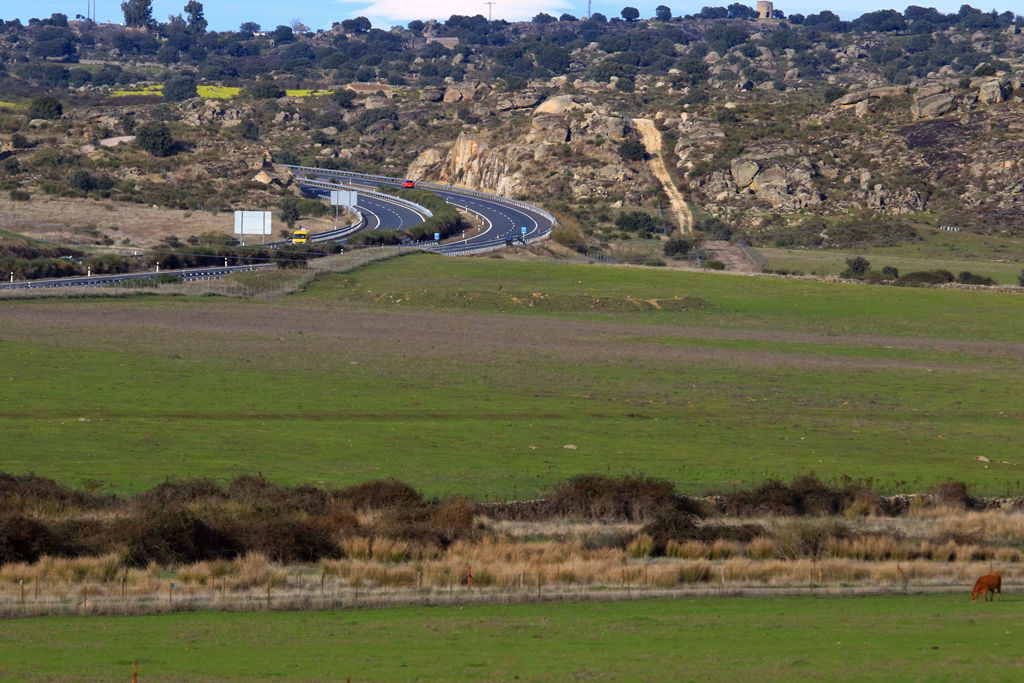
(651, 138)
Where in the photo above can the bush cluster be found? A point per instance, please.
(182, 521)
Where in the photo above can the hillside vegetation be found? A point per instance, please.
(799, 131)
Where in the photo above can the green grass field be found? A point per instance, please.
(441, 373)
(896, 638)
(995, 256)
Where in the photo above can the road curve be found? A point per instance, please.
(503, 219)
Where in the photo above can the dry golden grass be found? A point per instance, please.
(916, 553)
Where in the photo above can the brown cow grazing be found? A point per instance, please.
(990, 584)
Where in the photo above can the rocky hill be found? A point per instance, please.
(775, 129)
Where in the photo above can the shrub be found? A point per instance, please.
(598, 497)
(82, 180)
(453, 519)
(20, 195)
(805, 495)
(677, 247)
(249, 130)
(180, 88)
(969, 278)
(11, 165)
(171, 536)
(380, 494)
(566, 235)
(23, 539)
(635, 221)
(856, 268)
(632, 150)
(712, 264)
(264, 90)
(45, 107)
(289, 540)
(925, 277)
(155, 138)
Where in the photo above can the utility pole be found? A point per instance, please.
(490, 5)
(588, 9)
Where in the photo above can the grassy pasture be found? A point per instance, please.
(899, 637)
(995, 256)
(471, 376)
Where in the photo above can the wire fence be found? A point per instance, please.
(308, 591)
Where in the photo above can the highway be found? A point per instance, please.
(505, 221)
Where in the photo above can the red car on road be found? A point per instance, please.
(408, 183)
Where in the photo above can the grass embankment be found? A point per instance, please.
(416, 368)
(921, 637)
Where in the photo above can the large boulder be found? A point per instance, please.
(743, 171)
(933, 105)
(432, 93)
(608, 127)
(548, 128)
(526, 100)
(556, 105)
(992, 92)
(856, 96)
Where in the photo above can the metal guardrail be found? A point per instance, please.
(186, 274)
(316, 182)
(341, 233)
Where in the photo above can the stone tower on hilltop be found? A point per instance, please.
(764, 9)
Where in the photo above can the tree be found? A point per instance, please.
(343, 98)
(289, 211)
(196, 22)
(137, 13)
(890, 273)
(856, 267)
(265, 90)
(676, 247)
(250, 27)
(82, 180)
(1020, 279)
(45, 107)
(738, 10)
(714, 13)
(635, 221)
(357, 25)
(155, 138)
(543, 18)
(632, 150)
(282, 34)
(662, 13)
(630, 13)
(249, 130)
(599, 18)
(180, 88)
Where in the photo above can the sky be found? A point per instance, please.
(226, 15)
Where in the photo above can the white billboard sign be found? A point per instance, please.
(252, 223)
(343, 198)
